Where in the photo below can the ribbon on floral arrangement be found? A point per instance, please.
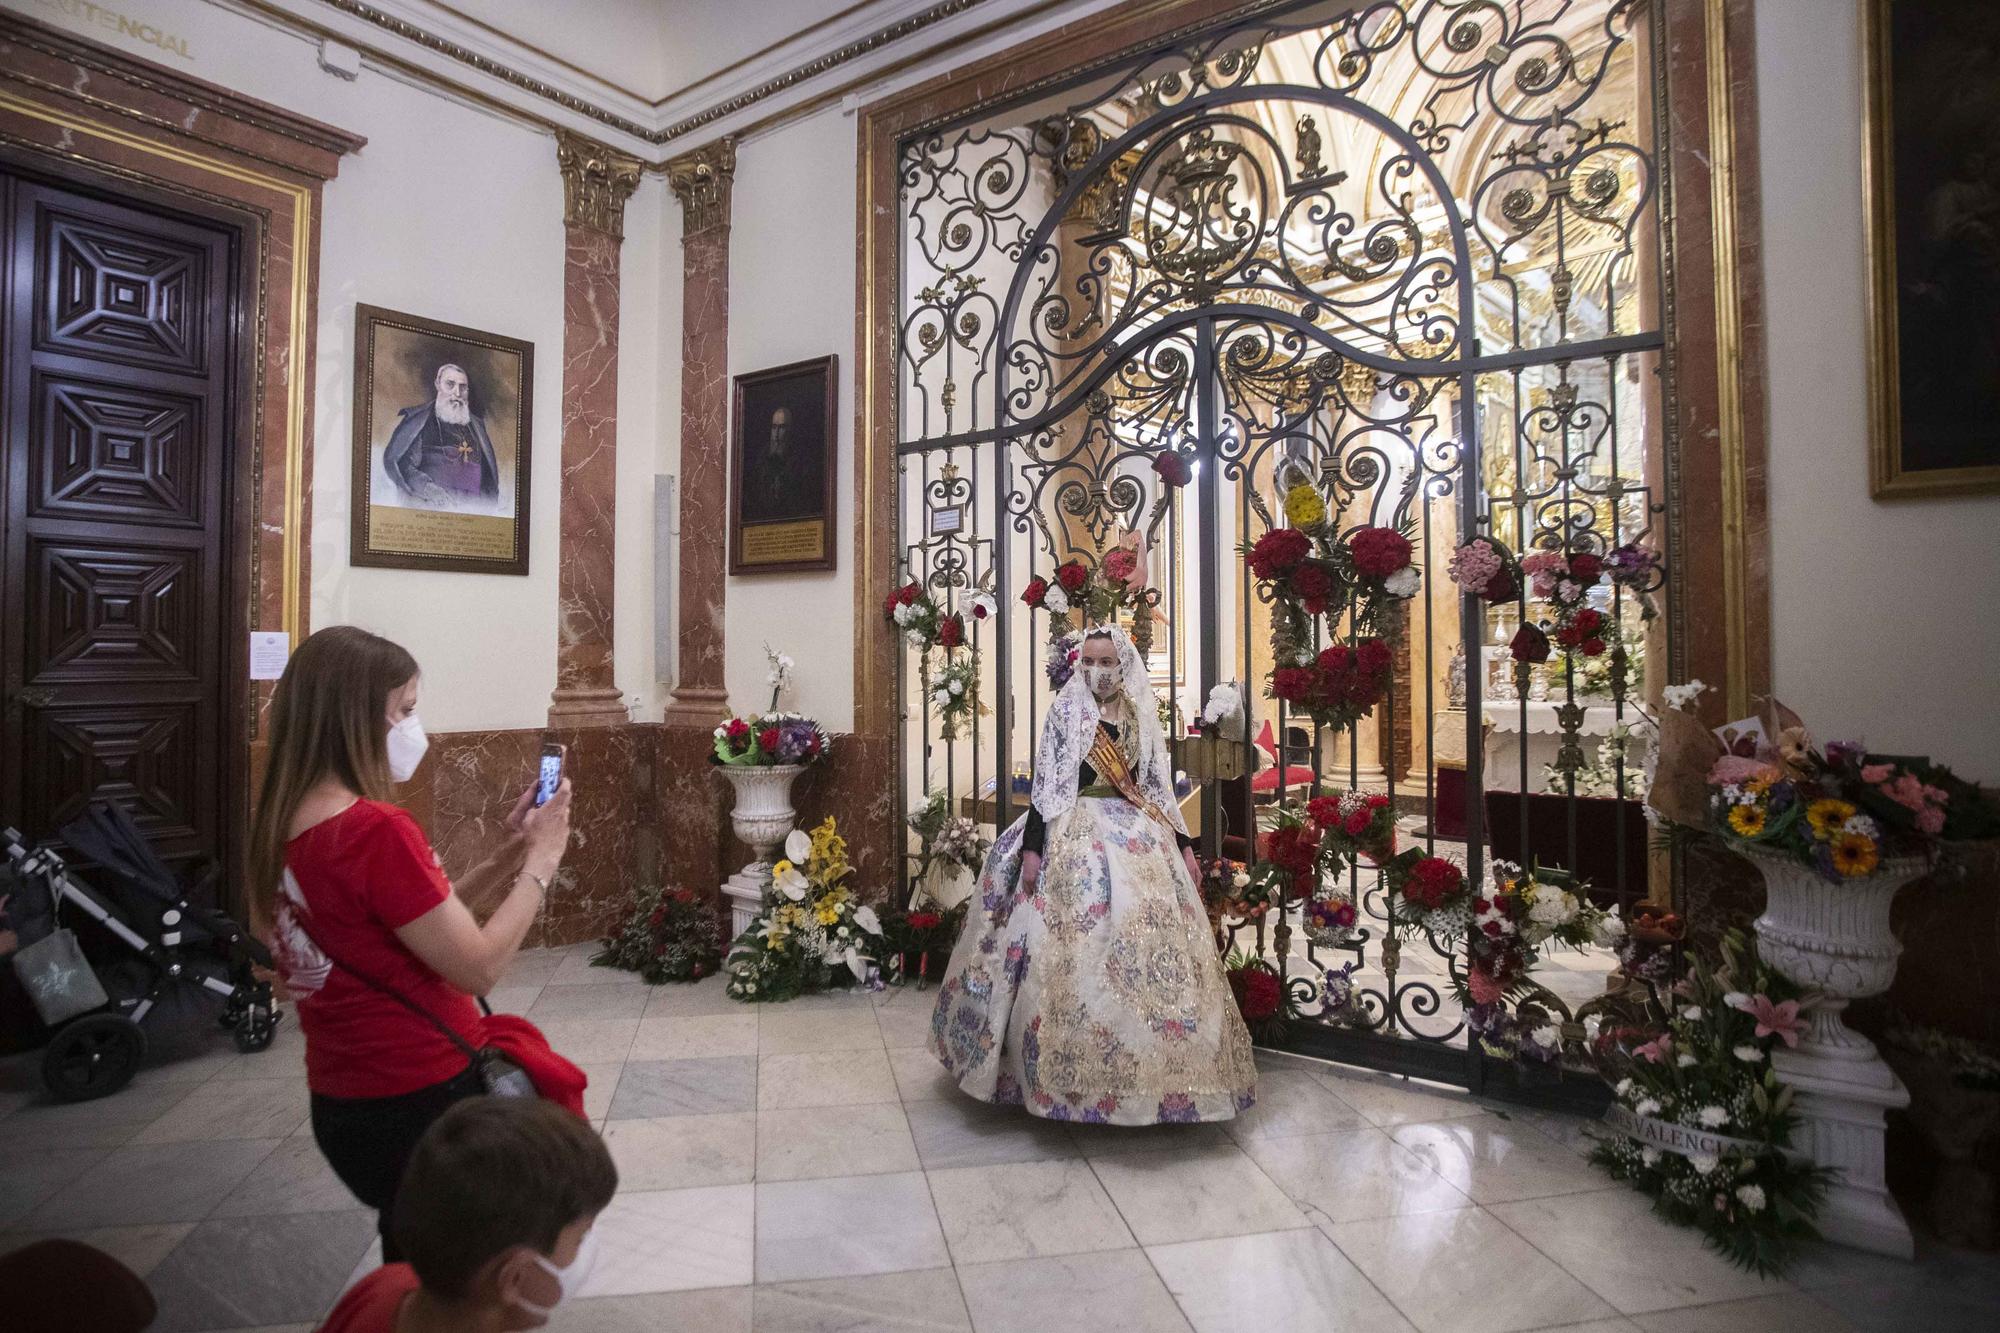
(1680, 1139)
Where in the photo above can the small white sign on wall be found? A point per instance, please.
(269, 651)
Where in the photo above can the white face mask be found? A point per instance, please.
(569, 1280)
(407, 744)
(1102, 681)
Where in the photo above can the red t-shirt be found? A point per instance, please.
(372, 1304)
(350, 883)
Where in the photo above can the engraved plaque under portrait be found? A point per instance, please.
(781, 469)
(442, 418)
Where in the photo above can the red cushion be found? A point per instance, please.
(1295, 776)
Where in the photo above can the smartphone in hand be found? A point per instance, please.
(550, 776)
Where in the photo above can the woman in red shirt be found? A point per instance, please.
(365, 928)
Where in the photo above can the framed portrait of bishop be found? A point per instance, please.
(441, 445)
(781, 469)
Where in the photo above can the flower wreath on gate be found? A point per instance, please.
(1310, 574)
(927, 626)
(1484, 567)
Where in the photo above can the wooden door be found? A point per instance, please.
(115, 629)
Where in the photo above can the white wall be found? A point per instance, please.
(455, 214)
(1883, 614)
(791, 298)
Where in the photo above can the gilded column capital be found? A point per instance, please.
(596, 183)
(700, 179)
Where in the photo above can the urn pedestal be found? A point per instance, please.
(1835, 938)
(761, 816)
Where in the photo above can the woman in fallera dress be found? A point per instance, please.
(1086, 984)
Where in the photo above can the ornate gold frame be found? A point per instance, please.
(1886, 478)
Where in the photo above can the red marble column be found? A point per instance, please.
(692, 797)
(596, 183)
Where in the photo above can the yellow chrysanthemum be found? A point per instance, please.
(1826, 816)
(780, 868)
(1303, 507)
(1747, 820)
(1855, 854)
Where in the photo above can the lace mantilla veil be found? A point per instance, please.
(1071, 726)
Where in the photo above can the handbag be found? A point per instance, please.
(498, 1076)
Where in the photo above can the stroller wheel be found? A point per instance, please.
(93, 1057)
(256, 1028)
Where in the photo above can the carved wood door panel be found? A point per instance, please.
(116, 543)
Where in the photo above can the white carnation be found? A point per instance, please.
(1692, 1012)
(1749, 1055)
(1404, 582)
(1751, 1197)
(1712, 1117)
(916, 640)
(1239, 881)
(902, 614)
(958, 687)
(1548, 1036)
(1056, 601)
(1703, 1163)
(1623, 1087)
(1610, 930)
(1646, 1106)
(1682, 697)
(1736, 999)
(1650, 1156)
(1685, 1061)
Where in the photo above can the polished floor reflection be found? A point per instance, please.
(806, 1167)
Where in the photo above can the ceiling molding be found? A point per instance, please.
(544, 83)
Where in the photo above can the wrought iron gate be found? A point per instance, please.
(1406, 253)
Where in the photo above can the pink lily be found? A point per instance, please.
(1657, 1050)
(1779, 1020)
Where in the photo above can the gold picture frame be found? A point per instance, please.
(1890, 474)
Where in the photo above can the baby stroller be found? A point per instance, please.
(157, 956)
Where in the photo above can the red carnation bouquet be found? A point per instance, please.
(1261, 995)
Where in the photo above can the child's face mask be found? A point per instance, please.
(569, 1280)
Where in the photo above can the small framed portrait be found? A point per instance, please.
(441, 445)
(1932, 166)
(781, 469)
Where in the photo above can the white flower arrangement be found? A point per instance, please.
(1056, 601)
(1404, 582)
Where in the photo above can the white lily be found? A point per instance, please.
(798, 846)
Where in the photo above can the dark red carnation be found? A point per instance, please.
(1592, 647)
(1278, 551)
(1500, 588)
(1294, 684)
(1530, 644)
(1172, 467)
(767, 740)
(1371, 657)
(1314, 586)
(1378, 552)
(1584, 567)
(1358, 822)
(1337, 658)
(738, 730)
(894, 600)
(951, 632)
(925, 920)
(1257, 993)
(1431, 881)
(913, 593)
(1036, 591)
(1324, 810)
(1072, 576)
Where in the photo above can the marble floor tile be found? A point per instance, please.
(285, 1057)
(674, 1240)
(1613, 1244)
(240, 1109)
(1071, 1293)
(576, 969)
(108, 1122)
(710, 1310)
(590, 1040)
(1908, 1307)
(1353, 1174)
(1193, 1195)
(1464, 1272)
(824, 1078)
(846, 1227)
(1277, 1280)
(650, 1089)
(1291, 1102)
(1822, 1264)
(825, 1002)
(692, 1036)
(29, 1177)
(576, 1000)
(195, 1067)
(139, 1248)
(924, 1301)
(1384, 1099)
(153, 1182)
(805, 1142)
(1024, 1210)
(514, 998)
(904, 1026)
(919, 1076)
(1498, 1161)
(1787, 1312)
(532, 967)
(680, 1152)
(958, 1131)
(1105, 1140)
(601, 1086)
(851, 1027)
(688, 999)
(243, 1272)
(293, 1179)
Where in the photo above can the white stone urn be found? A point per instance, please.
(762, 816)
(1834, 938)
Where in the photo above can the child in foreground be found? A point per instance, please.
(494, 1217)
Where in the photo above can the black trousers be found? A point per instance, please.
(368, 1141)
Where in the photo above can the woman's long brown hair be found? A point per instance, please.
(329, 719)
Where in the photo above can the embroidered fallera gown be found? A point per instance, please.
(1097, 995)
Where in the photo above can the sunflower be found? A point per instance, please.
(1747, 820)
(1303, 507)
(1855, 854)
(1826, 816)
